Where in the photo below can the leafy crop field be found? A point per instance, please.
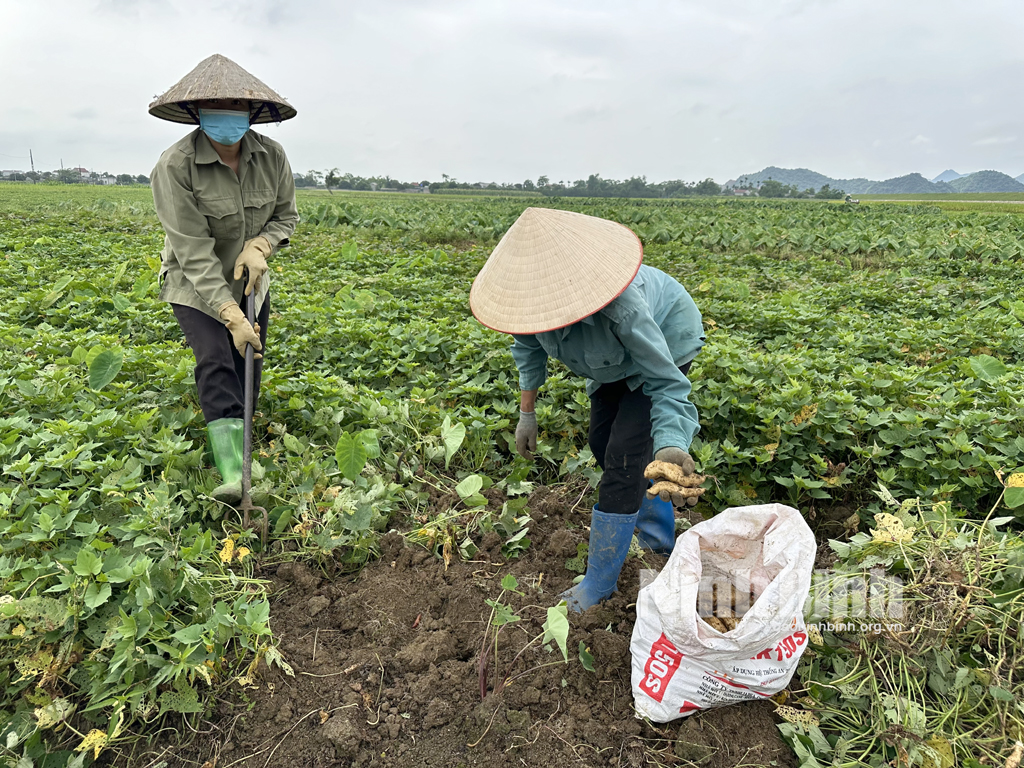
(849, 347)
(1006, 196)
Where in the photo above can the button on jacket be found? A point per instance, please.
(208, 213)
(643, 336)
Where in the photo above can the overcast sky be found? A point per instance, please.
(503, 90)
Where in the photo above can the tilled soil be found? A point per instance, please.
(387, 672)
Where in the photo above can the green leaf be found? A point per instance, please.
(292, 443)
(105, 367)
(1001, 694)
(557, 627)
(1014, 497)
(476, 500)
(586, 658)
(578, 564)
(503, 614)
(371, 442)
(190, 635)
(96, 595)
(358, 519)
(121, 303)
(452, 436)
(468, 549)
(120, 575)
(88, 563)
(45, 522)
(988, 368)
(92, 354)
(58, 290)
(284, 519)
(509, 582)
(470, 485)
(350, 454)
(349, 250)
(184, 700)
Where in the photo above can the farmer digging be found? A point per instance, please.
(572, 287)
(226, 199)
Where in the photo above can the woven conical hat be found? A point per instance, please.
(218, 77)
(553, 268)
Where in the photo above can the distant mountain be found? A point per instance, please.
(987, 181)
(801, 178)
(911, 184)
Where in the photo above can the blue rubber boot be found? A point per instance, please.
(610, 536)
(656, 525)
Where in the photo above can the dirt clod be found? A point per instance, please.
(343, 734)
(299, 575)
(316, 604)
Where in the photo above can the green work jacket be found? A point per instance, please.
(208, 213)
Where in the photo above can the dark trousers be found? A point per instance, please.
(220, 370)
(620, 438)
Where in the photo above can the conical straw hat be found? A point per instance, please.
(218, 77)
(553, 268)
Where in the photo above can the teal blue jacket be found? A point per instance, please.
(643, 336)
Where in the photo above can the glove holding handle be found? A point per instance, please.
(254, 257)
(241, 332)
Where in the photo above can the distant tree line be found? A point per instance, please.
(637, 186)
(772, 188)
(592, 186)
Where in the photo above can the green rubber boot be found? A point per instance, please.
(226, 443)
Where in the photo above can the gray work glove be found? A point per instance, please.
(676, 456)
(673, 478)
(526, 434)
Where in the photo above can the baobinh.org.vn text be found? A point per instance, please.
(868, 601)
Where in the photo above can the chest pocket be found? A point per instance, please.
(259, 207)
(222, 215)
(604, 359)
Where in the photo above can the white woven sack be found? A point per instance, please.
(680, 663)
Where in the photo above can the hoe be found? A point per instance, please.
(246, 504)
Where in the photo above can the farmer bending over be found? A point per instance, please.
(226, 199)
(572, 287)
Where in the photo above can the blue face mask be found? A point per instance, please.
(224, 126)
